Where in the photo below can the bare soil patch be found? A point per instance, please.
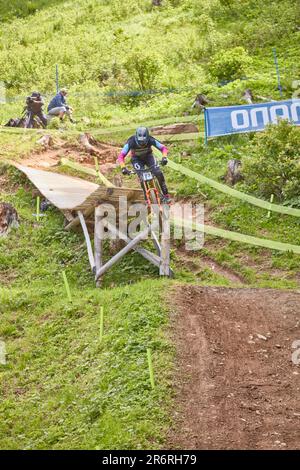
(47, 157)
(237, 387)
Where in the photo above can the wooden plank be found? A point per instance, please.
(115, 259)
(76, 220)
(64, 192)
(68, 215)
(98, 244)
(89, 171)
(131, 193)
(87, 240)
(165, 242)
(154, 259)
(156, 243)
(111, 195)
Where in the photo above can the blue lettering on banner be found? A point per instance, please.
(249, 118)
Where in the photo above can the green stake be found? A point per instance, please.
(38, 208)
(97, 168)
(67, 286)
(271, 201)
(150, 368)
(96, 164)
(101, 323)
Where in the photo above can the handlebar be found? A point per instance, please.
(135, 172)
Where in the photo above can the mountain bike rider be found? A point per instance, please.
(140, 145)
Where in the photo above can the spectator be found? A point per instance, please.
(248, 96)
(58, 106)
(200, 102)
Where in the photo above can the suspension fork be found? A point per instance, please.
(147, 190)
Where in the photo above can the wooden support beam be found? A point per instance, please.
(98, 243)
(156, 242)
(151, 257)
(68, 215)
(87, 240)
(76, 220)
(165, 243)
(142, 235)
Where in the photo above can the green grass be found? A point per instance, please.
(229, 213)
(97, 45)
(23, 8)
(61, 388)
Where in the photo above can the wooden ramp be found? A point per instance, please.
(80, 199)
(75, 194)
(64, 192)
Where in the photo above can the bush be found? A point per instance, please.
(143, 69)
(272, 165)
(230, 65)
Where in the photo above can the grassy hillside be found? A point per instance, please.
(118, 46)
(61, 388)
(22, 9)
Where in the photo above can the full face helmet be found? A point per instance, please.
(142, 136)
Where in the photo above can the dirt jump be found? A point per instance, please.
(237, 385)
(50, 151)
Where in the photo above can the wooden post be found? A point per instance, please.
(87, 240)
(76, 220)
(165, 242)
(142, 235)
(156, 242)
(98, 244)
(151, 257)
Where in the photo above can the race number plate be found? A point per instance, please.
(147, 176)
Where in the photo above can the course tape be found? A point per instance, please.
(168, 120)
(239, 237)
(208, 229)
(234, 193)
(88, 171)
(126, 128)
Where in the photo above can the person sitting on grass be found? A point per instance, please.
(58, 106)
(140, 145)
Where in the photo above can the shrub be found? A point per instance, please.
(143, 69)
(230, 65)
(272, 165)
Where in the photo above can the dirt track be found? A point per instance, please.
(235, 389)
(50, 156)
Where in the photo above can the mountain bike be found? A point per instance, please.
(150, 188)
